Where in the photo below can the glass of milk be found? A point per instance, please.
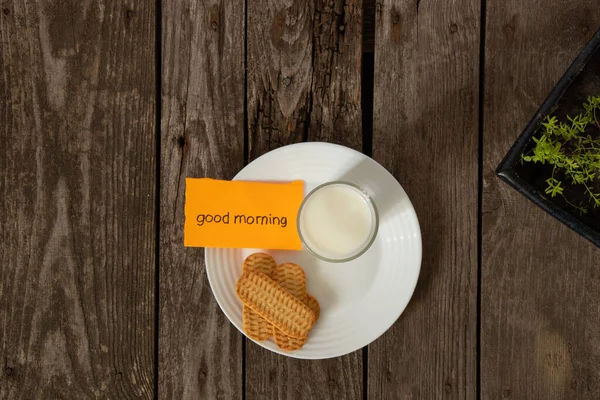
(337, 221)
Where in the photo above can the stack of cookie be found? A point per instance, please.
(275, 302)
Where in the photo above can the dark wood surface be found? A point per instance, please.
(425, 133)
(540, 301)
(77, 200)
(304, 62)
(98, 296)
(202, 134)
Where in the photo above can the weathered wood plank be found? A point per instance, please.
(77, 204)
(304, 64)
(425, 133)
(200, 352)
(540, 281)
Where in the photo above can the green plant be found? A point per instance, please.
(573, 149)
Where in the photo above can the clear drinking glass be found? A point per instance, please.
(338, 221)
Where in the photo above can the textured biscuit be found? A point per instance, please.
(288, 343)
(255, 326)
(314, 305)
(275, 304)
(292, 278)
(259, 262)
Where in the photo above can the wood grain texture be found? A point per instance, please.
(202, 124)
(540, 281)
(425, 133)
(304, 62)
(77, 178)
(304, 66)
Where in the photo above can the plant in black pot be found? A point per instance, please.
(572, 148)
(555, 162)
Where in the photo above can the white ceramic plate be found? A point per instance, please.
(359, 299)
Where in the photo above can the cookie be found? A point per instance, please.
(263, 295)
(255, 326)
(288, 343)
(259, 262)
(314, 305)
(292, 278)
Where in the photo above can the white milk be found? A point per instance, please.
(337, 221)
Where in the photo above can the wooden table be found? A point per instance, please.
(106, 107)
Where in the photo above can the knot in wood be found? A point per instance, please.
(395, 18)
(448, 386)
(6, 11)
(574, 385)
(214, 25)
(453, 28)
(8, 371)
(389, 376)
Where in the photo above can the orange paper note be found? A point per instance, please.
(242, 214)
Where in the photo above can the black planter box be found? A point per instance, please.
(581, 80)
